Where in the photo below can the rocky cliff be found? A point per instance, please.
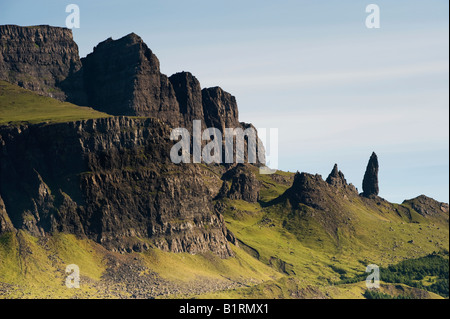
(43, 59)
(120, 77)
(110, 180)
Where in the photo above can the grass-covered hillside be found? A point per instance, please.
(318, 249)
(18, 105)
(282, 251)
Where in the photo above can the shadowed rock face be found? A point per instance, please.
(110, 180)
(220, 108)
(189, 96)
(336, 177)
(370, 181)
(427, 206)
(5, 222)
(308, 189)
(244, 184)
(122, 77)
(43, 59)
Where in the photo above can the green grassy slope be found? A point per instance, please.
(18, 105)
(316, 262)
(35, 268)
(279, 255)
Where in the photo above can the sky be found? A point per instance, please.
(335, 89)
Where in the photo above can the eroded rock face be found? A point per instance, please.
(309, 189)
(122, 77)
(112, 181)
(312, 199)
(427, 206)
(189, 96)
(370, 181)
(220, 108)
(43, 59)
(5, 222)
(337, 179)
(244, 184)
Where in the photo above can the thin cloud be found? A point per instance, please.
(339, 77)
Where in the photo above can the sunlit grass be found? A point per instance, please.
(18, 105)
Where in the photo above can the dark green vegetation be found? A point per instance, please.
(428, 273)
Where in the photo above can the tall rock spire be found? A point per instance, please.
(370, 181)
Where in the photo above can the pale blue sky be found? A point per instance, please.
(336, 90)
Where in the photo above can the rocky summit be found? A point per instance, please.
(86, 178)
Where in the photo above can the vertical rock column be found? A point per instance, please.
(370, 181)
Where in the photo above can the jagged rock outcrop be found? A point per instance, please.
(112, 181)
(5, 222)
(122, 77)
(309, 190)
(313, 201)
(336, 178)
(241, 183)
(43, 59)
(370, 181)
(427, 206)
(189, 96)
(244, 184)
(220, 108)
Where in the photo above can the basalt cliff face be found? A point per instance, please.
(110, 180)
(43, 59)
(120, 77)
